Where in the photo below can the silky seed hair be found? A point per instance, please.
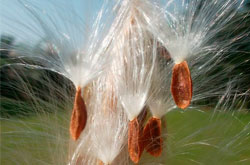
(76, 50)
(188, 30)
(109, 116)
(160, 100)
(136, 49)
(195, 30)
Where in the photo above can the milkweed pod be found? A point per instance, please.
(135, 146)
(152, 139)
(79, 116)
(181, 85)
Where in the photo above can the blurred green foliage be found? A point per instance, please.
(191, 137)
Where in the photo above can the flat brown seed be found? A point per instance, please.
(135, 146)
(79, 116)
(152, 139)
(181, 85)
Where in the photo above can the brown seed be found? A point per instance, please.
(181, 85)
(135, 146)
(79, 116)
(152, 139)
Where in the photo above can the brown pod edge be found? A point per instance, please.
(79, 116)
(152, 139)
(181, 85)
(135, 146)
(100, 162)
(163, 52)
